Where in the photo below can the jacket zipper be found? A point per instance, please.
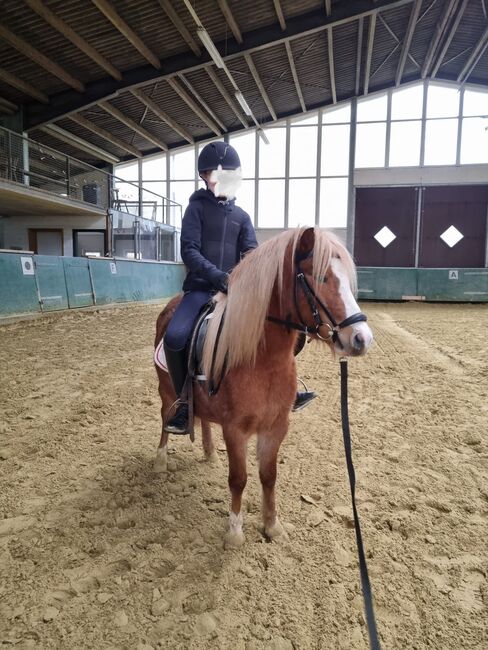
(222, 243)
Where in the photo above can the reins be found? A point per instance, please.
(363, 568)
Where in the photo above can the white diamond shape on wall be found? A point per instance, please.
(384, 237)
(451, 236)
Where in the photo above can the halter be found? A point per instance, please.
(314, 302)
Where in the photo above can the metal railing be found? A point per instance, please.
(32, 164)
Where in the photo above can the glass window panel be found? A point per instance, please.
(154, 169)
(180, 191)
(182, 165)
(372, 109)
(245, 198)
(303, 151)
(126, 192)
(405, 144)
(272, 155)
(440, 142)
(338, 115)
(335, 150)
(442, 101)
(333, 202)
(475, 102)
(128, 172)
(301, 202)
(406, 103)
(271, 204)
(155, 187)
(370, 145)
(474, 141)
(307, 119)
(245, 146)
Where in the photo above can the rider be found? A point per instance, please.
(215, 234)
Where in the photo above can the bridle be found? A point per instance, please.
(314, 303)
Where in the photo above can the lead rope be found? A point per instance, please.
(363, 569)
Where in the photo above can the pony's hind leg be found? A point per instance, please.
(161, 460)
(267, 451)
(236, 443)
(208, 443)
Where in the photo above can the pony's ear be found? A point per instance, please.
(306, 242)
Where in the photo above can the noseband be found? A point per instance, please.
(314, 302)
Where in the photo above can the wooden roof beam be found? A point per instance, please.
(279, 13)
(221, 88)
(439, 32)
(109, 12)
(259, 84)
(64, 29)
(200, 99)
(74, 141)
(137, 128)
(371, 32)
(8, 104)
(151, 104)
(449, 38)
(231, 21)
(192, 104)
(330, 51)
(359, 51)
(294, 75)
(475, 56)
(407, 41)
(106, 135)
(180, 26)
(43, 61)
(23, 86)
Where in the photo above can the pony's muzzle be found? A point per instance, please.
(358, 341)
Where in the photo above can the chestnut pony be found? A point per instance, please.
(302, 278)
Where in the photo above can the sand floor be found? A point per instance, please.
(96, 551)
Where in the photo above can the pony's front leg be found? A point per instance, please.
(267, 452)
(236, 443)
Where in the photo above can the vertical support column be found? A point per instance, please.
(110, 242)
(157, 232)
(9, 156)
(68, 179)
(256, 179)
(460, 126)
(424, 123)
(317, 175)
(287, 170)
(351, 207)
(25, 161)
(167, 219)
(388, 129)
(137, 241)
(139, 185)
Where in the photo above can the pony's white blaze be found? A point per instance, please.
(351, 307)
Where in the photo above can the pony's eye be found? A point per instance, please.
(321, 278)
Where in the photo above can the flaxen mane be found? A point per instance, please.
(250, 289)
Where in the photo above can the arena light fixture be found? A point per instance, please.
(263, 136)
(204, 36)
(244, 105)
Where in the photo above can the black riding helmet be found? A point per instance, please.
(218, 153)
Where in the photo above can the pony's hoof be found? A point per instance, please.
(213, 458)
(276, 532)
(161, 462)
(233, 539)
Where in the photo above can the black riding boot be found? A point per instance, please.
(176, 362)
(302, 400)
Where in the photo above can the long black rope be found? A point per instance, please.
(363, 569)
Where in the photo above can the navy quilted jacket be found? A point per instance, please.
(214, 236)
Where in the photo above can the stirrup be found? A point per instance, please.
(178, 423)
(302, 400)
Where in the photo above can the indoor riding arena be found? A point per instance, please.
(366, 119)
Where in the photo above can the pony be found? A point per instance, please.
(302, 280)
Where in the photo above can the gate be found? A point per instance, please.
(78, 281)
(385, 226)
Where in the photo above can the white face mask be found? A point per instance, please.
(227, 181)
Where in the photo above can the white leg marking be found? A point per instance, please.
(234, 536)
(161, 461)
